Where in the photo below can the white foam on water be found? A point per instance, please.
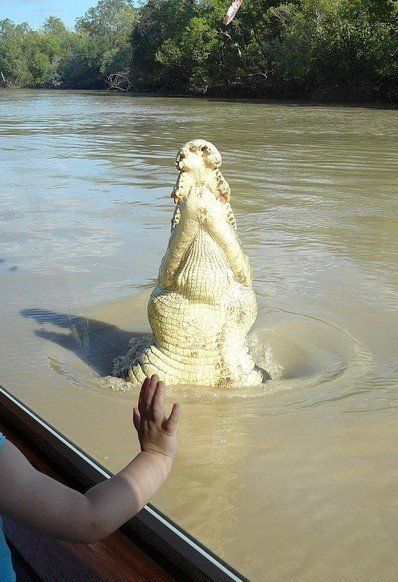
(298, 351)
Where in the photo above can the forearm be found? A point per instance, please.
(116, 500)
(108, 505)
(40, 502)
(44, 504)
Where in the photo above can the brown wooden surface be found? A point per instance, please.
(115, 559)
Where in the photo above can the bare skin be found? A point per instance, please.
(42, 503)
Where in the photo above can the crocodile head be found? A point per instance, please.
(203, 214)
(199, 156)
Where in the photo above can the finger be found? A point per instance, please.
(144, 390)
(158, 402)
(142, 397)
(172, 421)
(151, 390)
(136, 419)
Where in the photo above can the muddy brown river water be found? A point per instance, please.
(297, 480)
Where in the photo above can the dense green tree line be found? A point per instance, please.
(87, 58)
(306, 49)
(313, 49)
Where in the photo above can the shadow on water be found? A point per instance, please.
(95, 342)
(12, 268)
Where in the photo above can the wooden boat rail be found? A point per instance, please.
(178, 553)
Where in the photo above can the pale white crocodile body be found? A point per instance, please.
(204, 304)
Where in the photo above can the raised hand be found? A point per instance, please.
(156, 433)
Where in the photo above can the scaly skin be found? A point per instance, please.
(204, 304)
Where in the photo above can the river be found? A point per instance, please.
(297, 480)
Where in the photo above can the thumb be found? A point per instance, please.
(136, 419)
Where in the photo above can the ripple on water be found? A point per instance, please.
(299, 352)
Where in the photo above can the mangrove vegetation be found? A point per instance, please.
(327, 50)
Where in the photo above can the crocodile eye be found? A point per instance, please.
(206, 149)
(192, 149)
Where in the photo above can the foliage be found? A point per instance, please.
(310, 49)
(56, 57)
(14, 68)
(110, 23)
(295, 49)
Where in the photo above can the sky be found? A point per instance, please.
(34, 12)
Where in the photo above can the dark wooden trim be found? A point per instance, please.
(114, 559)
(158, 533)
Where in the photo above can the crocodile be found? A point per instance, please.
(204, 305)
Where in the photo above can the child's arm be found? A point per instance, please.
(42, 503)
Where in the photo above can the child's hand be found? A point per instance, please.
(156, 433)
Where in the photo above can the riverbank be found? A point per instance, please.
(217, 98)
